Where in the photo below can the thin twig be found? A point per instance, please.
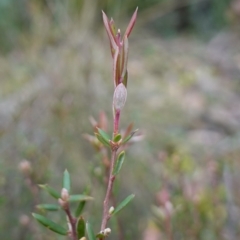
(116, 122)
(106, 163)
(111, 179)
(72, 221)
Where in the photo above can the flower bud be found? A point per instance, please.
(107, 231)
(111, 209)
(62, 203)
(119, 96)
(64, 195)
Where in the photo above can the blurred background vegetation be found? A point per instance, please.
(184, 95)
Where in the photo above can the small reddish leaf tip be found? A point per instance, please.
(104, 15)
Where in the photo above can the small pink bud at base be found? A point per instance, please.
(62, 203)
(64, 194)
(119, 96)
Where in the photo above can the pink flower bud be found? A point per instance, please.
(119, 97)
(64, 194)
(62, 203)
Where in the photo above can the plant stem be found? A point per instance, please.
(72, 221)
(111, 177)
(106, 201)
(116, 122)
(106, 163)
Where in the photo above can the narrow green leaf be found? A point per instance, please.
(48, 207)
(79, 197)
(123, 204)
(50, 224)
(81, 228)
(90, 232)
(117, 138)
(50, 190)
(80, 208)
(81, 204)
(129, 136)
(103, 134)
(119, 163)
(66, 180)
(104, 142)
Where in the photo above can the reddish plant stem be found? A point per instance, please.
(116, 122)
(106, 163)
(106, 201)
(106, 216)
(72, 221)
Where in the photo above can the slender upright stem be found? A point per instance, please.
(106, 163)
(116, 122)
(111, 177)
(106, 201)
(72, 222)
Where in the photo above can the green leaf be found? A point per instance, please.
(81, 228)
(80, 208)
(66, 180)
(117, 138)
(99, 137)
(103, 134)
(50, 190)
(81, 204)
(129, 136)
(48, 207)
(50, 224)
(123, 204)
(90, 232)
(79, 197)
(119, 163)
